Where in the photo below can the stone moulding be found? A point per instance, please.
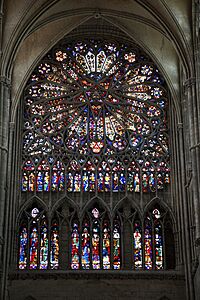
(90, 274)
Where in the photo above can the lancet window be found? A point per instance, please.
(95, 241)
(38, 241)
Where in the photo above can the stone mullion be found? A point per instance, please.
(49, 224)
(63, 249)
(39, 241)
(153, 244)
(80, 241)
(28, 243)
(164, 245)
(91, 247)
(64, 240)
(101, 243)
(111, 242)
(127, 239)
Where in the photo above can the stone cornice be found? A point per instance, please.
(90, 274)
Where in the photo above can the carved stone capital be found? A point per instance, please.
(197, 242)
(190, 82)
(2, 148)
(180, 126)
(195, 146)
(5, 81)
(1, 240)
(12, 126)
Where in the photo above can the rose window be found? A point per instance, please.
(95, 120)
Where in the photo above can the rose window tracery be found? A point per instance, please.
(95, 120)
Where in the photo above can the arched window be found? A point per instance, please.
(92, 250)
(34, 245)
(95, 120)
(95, 131)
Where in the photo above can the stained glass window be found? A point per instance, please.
(96, 245)
(44, 244)
(137, 239)
(158, 240)
(106, 245)
(116, 245)
(23, 246)
(148, 251)
(85, 254)
(148, 239)
(98, 99)
(95, 125)
(34, 246)
(94, 252)
(54, 250)
(75, 236)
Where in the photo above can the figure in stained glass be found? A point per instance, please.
(34, 247)
(85, 182)
(54, 250)
(100, 182)
(23, 247)
(43, 245)
(158, 239)
(75, 258)
(95, 245)
(85, 245)
(106, 245)
(148, 244)
(116, 245)
(115, 182)
(137, 237)
(136, 183)
(107, 182)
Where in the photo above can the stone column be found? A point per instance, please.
(127, 239)
(185, 230)
(191, 96)
(4, 133)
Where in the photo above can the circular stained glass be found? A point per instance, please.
(99, 99)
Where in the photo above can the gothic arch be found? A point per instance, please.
(17, 92)
(168, 32)
(34, 201)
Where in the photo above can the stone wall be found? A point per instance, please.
(125, 285)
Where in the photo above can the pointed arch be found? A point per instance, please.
(96, 131)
